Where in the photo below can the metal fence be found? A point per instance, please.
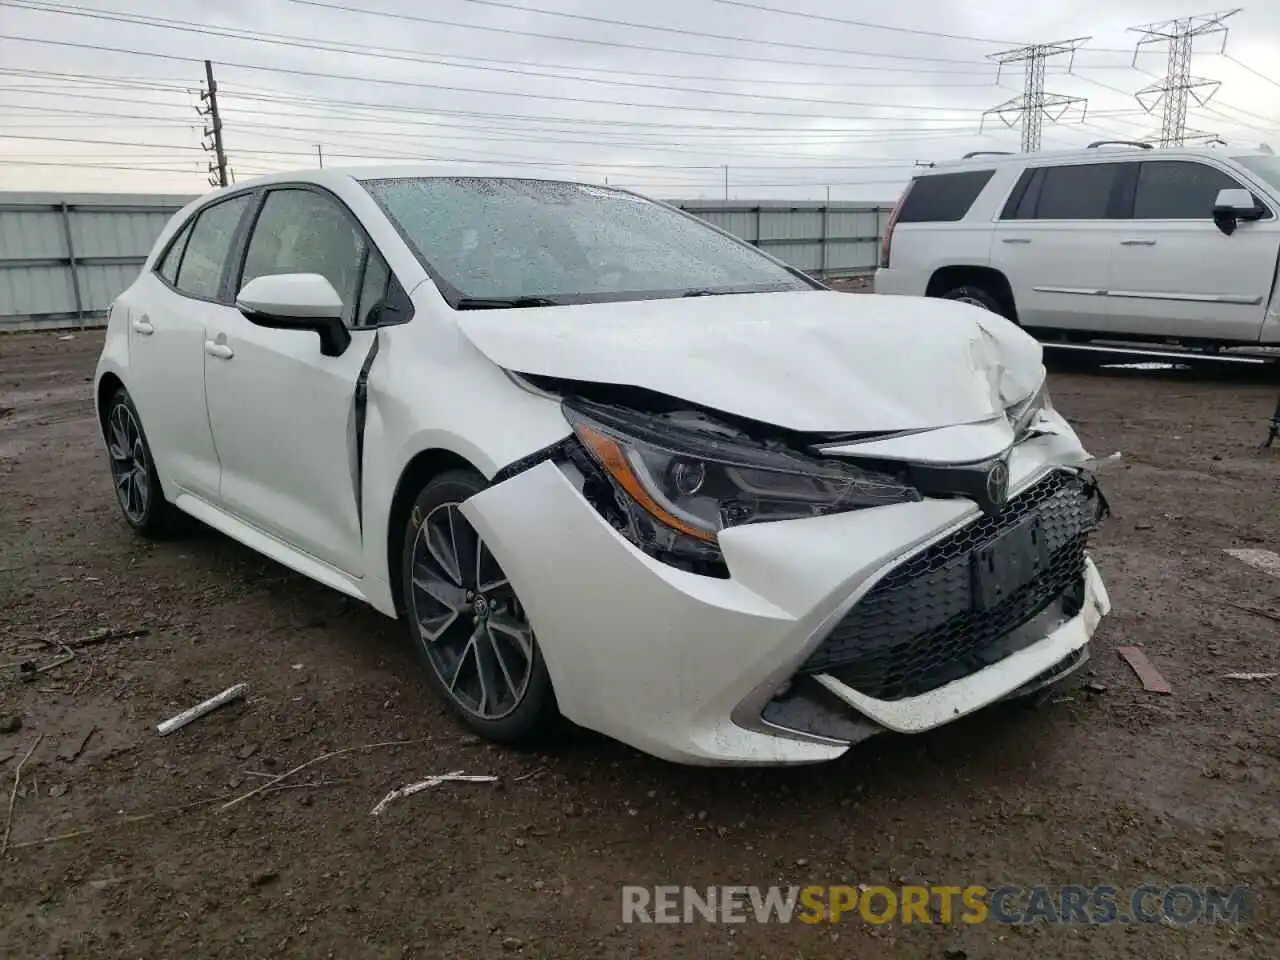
(826, 240)
(64, 258)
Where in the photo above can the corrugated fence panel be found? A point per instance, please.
(102, 283)
(64, 258)
(32, 291)
(30, 234)
(827, 240)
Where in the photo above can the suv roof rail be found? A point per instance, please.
(987, 153)
(1119, 143)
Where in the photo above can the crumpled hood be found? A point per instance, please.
(812, 361)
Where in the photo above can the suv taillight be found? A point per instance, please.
(888, 227)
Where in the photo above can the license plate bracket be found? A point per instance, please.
(1004, 565)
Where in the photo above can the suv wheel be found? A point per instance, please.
(976, 296)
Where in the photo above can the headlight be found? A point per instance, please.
(1023, 415)
(682, 486)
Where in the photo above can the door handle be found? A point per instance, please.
(220, 350)
(1138, 242)
(143, 326)
(1015, 240)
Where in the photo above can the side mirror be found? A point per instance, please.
(297, 301)
(1234, 206)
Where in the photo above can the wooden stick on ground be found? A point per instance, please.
(13, 795)
(181, 808)
(314, 760)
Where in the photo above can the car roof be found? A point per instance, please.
(328, 176)
(986, 161)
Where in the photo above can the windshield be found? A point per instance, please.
(493, 242)
(1263, 166)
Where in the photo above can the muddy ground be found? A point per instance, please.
(1108, 785)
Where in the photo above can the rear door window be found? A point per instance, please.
(1178, 190)
(1080, 191)
(943, 197)
(169, 265)
(205, 259)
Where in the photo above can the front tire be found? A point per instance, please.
(133, 471)
(466, 622)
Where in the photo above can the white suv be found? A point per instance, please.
(1175, 244)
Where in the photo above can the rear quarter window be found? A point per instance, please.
(943, 197)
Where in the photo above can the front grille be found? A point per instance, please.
(919, 627)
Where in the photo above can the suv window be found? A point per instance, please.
(1178, 190)
(169, 265)
(200, 273)
(1081, 191)
(943, 196)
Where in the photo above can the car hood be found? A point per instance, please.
(811, 361)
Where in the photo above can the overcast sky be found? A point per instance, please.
(634, 93)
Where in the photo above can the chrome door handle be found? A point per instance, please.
(143, 326)
(1015, 240)
(220, 350)
(1138, 242)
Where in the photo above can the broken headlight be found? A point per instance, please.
(679, 485)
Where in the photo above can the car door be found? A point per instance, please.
(283, 414)
(169, 310)
(1054, 240)
(1174, 273)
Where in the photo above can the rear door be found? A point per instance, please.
(1174, 273)
(168, 312)
(1054, 240)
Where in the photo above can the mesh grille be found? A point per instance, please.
(920, 628)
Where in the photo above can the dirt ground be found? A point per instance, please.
(1106, 784)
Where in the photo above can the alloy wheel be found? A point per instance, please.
(130, 467)
(469, 621)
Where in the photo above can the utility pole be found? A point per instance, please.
(320, 155)
(1034, 105)
(217, 169)
(726, 181)
(1178, 85)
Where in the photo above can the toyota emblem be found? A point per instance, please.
(997, 483)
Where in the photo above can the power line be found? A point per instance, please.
(1249, 69)
(384, 53)
(524, 94)
(865, 24)
(1178, 84)
(348, 8)
(628, 123)
(1035, 104)
(647, 48)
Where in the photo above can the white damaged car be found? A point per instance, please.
(607, 461)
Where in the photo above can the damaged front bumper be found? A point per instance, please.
(825, 631)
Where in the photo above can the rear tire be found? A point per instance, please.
(465, 621)
(977, 296)
(133, 470)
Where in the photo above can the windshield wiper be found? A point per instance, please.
(729, 291)
(501, 303)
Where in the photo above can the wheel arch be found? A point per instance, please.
(106, 388)
(990, 279)
(418, 471)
